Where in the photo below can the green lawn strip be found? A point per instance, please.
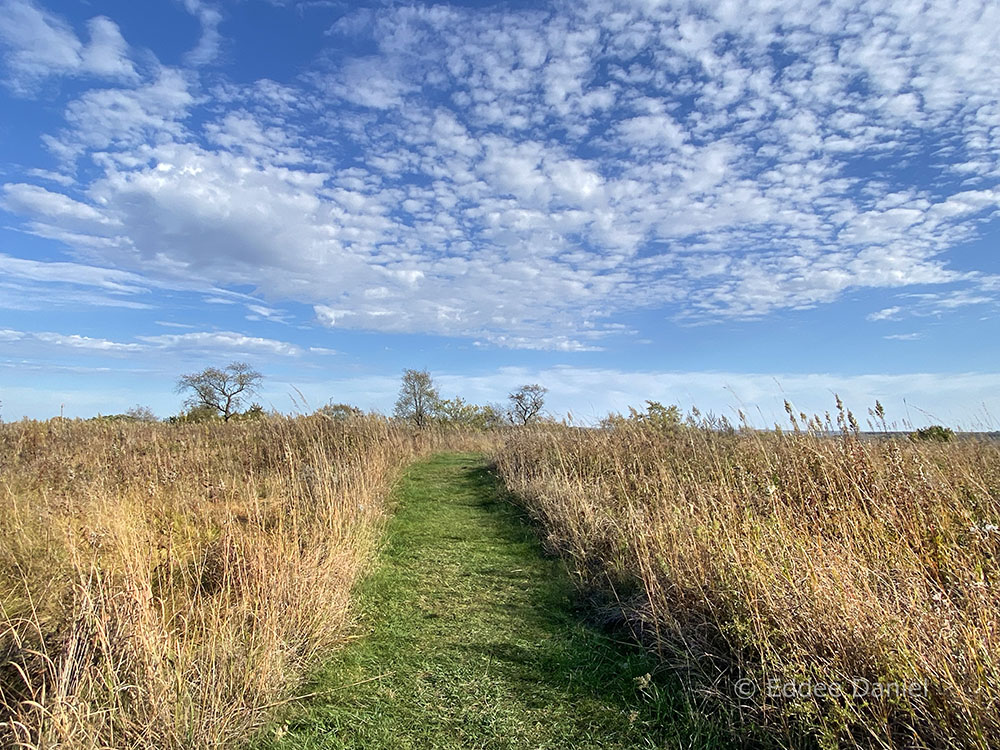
(469, 639)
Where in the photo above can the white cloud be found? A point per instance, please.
(208, 45)
(67, 341)
(483, 177)
(125, 120)
(886, 313)
(55, 207)
(35, 285)
(75, 341)
(71, 273)
(107, 53)
(228, 341)
(369, 83)
(259, 312)
(195, 342)
(51, 176)
(39, 44)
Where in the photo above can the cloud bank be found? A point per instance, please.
(528, 178)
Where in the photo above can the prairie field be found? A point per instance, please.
(165, 585)
(347, 308)
(762, 565)
(188, 585)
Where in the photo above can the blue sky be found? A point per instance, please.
(718, 203)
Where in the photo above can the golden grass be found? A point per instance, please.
(794, 558)
(165, 585)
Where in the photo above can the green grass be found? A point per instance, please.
(469, 639)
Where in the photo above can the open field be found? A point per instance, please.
(164, 585)
(460, 374)
(791, 559)
(181, 585)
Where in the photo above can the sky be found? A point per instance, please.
(722, 204)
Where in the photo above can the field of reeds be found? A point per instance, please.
(818, 587)
(167, 585)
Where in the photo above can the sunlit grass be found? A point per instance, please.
(792, 558)
(166, 585)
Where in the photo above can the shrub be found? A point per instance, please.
(656, 416)
(196, 415)
(935, 432)
(339, 412)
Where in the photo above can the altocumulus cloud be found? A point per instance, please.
(525, 178)
(39, 44)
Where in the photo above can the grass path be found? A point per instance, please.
(469, 640)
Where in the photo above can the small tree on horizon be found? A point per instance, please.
(418, 398)
(526, 403)
(458, 411)
(936, 433)
(339, 412)
(140, 413)
(196, 414)
(656, 416)
(222, 390)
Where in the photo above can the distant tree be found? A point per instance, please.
(139, 413)
(256, 411)
(526, 403)
(196, 414)
(458, 411)
(657, 416)
(135, 414)
(418, 398)
(496, 416)
(936, 433)
(613, 421)
(222, 390)
(339, 412)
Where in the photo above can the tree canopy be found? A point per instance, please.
(418, 398)
(526, 403)
(222, 390)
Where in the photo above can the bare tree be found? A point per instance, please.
(418, 398)
(526, 403)
(222, 390)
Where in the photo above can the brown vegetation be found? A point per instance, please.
(791, 559)
(164, 585)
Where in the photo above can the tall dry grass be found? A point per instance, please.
(165, 585)
(792, 559)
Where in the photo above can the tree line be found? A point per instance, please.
(420, 403)
(223, 393)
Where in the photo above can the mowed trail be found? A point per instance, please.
(469, 639)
